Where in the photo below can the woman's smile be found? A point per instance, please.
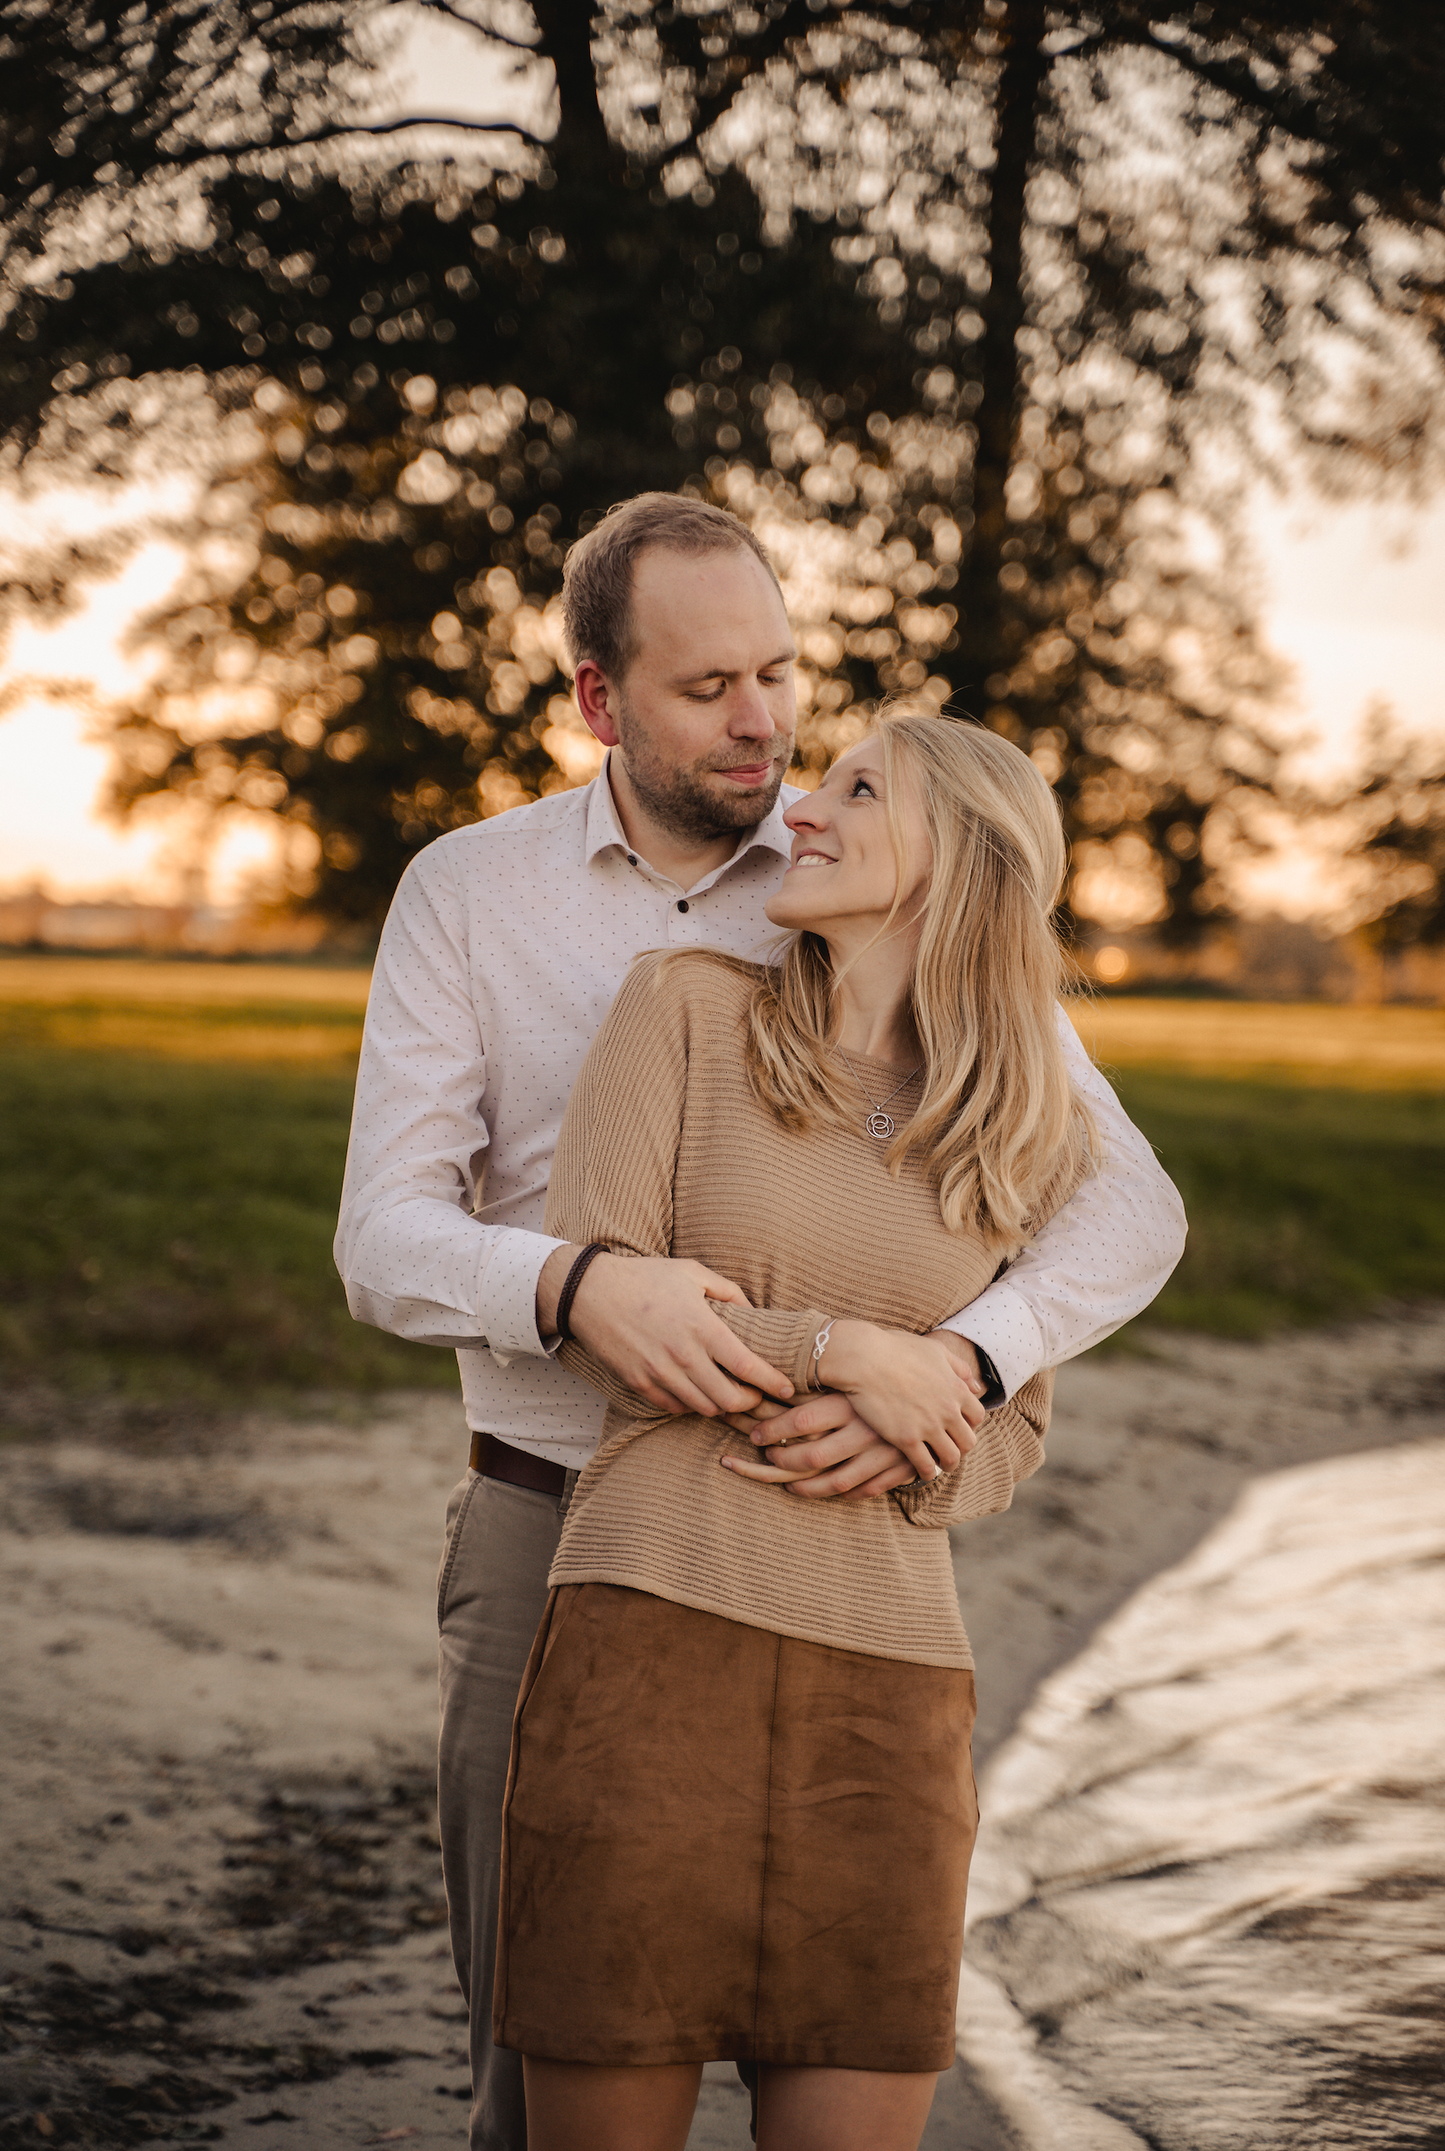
(845, 825)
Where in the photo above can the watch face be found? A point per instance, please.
(992, 1383)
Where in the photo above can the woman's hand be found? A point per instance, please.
(919, 1395)
(911, 1390)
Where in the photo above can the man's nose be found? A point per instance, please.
(750, 717)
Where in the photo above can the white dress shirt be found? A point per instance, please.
(504, 947)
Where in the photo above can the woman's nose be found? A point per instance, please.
(806, 813)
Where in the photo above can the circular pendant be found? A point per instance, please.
(880, 1126)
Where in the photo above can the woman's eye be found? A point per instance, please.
(862, 789)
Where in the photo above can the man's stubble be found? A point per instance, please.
(680, 801)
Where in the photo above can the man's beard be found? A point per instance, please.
(680, 801)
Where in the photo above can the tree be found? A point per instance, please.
(1397, 818)
(890, 283)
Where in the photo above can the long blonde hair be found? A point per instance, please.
(1005, 1132)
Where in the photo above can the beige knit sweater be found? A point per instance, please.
(665, 1151)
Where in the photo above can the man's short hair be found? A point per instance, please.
(597, 576)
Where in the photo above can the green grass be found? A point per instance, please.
(1307, 1203)
(172, 1141)
(166, 1221)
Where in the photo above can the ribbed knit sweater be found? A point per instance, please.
(665, 1150)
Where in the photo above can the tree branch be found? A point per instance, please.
(204, 153)
(396, 126)
(469, 22)
(758, 47)
(1291, 113)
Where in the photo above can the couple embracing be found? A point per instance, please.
(736, 1140)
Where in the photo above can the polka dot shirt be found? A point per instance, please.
(503, 950)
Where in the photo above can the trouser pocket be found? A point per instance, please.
(457, 1506)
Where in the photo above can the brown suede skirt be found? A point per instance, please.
(725, 1845)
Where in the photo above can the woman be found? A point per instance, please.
(741, 1806)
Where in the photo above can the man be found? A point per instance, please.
(504, 948)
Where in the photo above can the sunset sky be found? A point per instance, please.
(1350, 597)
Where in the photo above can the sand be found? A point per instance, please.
(222, 1915)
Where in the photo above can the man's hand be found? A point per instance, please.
(818, 1450)
(647, 1318)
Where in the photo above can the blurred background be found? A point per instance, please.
(1083, 370)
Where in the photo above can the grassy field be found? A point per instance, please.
(1300, 1043)
(1308, 1143)
(172, 1139)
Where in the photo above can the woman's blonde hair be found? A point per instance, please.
(1005, 1131)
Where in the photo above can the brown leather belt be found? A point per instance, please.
(497, 1459)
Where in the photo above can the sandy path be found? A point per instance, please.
(221, 1903)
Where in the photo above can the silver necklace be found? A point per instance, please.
(880, 1125)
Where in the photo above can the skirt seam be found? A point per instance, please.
(502, 1955)
(767, 1845)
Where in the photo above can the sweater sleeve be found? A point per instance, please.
(613, 1167)
(616, 1158)
(1010, 1447)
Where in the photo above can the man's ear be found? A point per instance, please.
(594, 698)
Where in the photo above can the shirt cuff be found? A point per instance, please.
(1002, 1323)
(510, 1314)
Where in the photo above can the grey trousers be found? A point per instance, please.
(490, 1594)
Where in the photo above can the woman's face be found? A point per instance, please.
(844, 874)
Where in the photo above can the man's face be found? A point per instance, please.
(705, 714)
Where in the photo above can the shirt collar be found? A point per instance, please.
(605, 830)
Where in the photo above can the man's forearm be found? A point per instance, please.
(1098, 1261)
(647, 1328)
(424, 1270)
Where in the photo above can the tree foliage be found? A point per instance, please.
(980, 312)
(1396, 819)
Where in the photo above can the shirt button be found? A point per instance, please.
(632, 858)
(682, 903)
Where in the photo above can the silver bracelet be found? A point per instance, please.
(820, 1342)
